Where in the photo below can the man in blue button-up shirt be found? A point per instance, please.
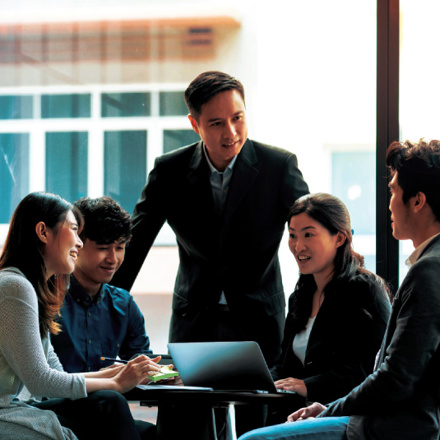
(100, 320)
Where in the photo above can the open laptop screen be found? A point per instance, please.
(222, 365)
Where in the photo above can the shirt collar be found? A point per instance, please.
(212, 168)
(80, 295)
(418, 251)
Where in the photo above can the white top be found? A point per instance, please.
(301, 340)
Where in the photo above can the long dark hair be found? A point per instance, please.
(23, 250)
(331, 213)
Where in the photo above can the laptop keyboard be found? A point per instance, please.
(285, 391)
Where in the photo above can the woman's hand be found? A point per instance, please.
(135, 371)
(292, 384)
(110, 371)
(167, 381)
(307, 412)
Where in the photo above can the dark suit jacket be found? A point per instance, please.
(236, 251)
(344, 341)
(399, 400)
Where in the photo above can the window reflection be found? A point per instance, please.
(65, 106)
(16, 107)
(172, 104)
(14, 178)
(66, 157)
(356, 186)
(173, 139)
(125, 104)
(125, 166)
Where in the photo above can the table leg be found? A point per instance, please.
(230, 423)
(175, 422)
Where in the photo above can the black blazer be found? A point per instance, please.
(344, 340)
(399, 400)
(235, 251)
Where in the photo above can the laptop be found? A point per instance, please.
(232, 366)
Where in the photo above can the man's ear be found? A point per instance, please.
(194, 124)
(419, 201)
(41, 230)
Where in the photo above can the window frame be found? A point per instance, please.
(96, 126)
(387, 131)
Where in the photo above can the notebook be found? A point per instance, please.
(235, 366)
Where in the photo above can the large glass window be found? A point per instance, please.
(14, 176)
(355, 186)
(173, 139)
(125, 104)
(66, 164)
(65, 106)
(125, 166)
(322, 105)
(16, 107)
(76, 150)
(419, 82)
(172, 104)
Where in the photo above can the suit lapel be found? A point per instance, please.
(195, 173)
(244, 174)
(198, 179)
(434, 247)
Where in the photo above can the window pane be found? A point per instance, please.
(125, 166)
(419, 94)
(14, 172)
(66, 164)
(354, 185)
(125, 104)
(322, 103)
(15, 107)
(172, 104)
(173, 139)
(65, 106)
(357, 188)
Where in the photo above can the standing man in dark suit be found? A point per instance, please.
(399, 401)
(226, 198)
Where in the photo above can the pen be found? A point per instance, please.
(113, 360)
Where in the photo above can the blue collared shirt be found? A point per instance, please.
(108, 325)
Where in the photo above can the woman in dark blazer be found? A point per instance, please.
(337, 313)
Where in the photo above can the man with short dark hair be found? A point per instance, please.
(226, 198)
(98, 319)
(399, 400)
